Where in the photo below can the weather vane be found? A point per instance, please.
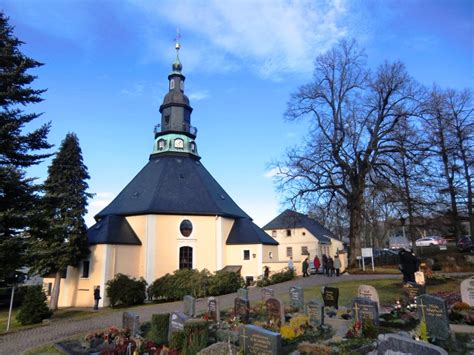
(176, 39)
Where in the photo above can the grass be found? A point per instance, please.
(49, 349)
(378, 270)
(389, 290)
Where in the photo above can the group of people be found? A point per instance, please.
(329, 265)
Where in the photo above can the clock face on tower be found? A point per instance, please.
(179, 143)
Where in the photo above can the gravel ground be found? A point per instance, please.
(20, 341)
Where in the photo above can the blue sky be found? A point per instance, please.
(107, 62)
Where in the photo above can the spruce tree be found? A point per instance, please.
(18, 149)
(62, 240)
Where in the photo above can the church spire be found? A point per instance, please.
(175, 132)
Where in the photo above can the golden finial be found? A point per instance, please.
(177, 38)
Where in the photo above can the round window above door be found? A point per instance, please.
(186, 228)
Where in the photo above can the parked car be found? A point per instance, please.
(312, 270)
(465, 243)
(429, 241)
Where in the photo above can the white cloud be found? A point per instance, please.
(99, 201)
(135, 90)
(273, 172)
(274, 38)
(198, 95)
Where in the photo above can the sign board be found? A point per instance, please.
(367, 252)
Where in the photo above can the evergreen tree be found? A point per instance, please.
(62, 241)
(34, 307)
(18, 149)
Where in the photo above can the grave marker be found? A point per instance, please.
(213, 309)
(242, 309)
(131, 321)
(412, 291)
(364, 309)
(243, 293)
(176, 323)
(315, 313)
(397, 344)
(259, 341)
(267, 293)
(296, 297)
(330, 296)
(189, 306)
(435, 312)
(369, 292)
(420, 277)
(467, 291)
(275, 311)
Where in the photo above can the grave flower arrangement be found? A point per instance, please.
(400, 316)
(462, 313)
(111, 339)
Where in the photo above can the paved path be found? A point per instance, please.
(20, 341)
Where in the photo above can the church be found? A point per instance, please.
(172, 215)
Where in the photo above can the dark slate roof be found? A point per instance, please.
(244, 231)
(112, 230)
(292, 219)
(173, 184)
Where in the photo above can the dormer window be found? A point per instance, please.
(179, 143)
(193, 147)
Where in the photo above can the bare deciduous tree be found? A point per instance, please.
(353, 113)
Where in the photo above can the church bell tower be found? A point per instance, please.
(175, 134)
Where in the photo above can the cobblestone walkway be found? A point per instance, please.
(20, 341)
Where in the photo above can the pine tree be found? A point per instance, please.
(34, 307)
(18, 149)
(62, 241)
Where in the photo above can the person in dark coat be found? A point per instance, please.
(266, 272)
(325, 264)
(96, 297)
(413, 265)
(305, 267)
(330, 267)
(402, 264)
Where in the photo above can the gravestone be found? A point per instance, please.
(365, 309)
(243, 293)
(189, 306)
(315, 313)
(131, 321)
(369, 292)
(259, 341)
(330, 296)
(397, 344)
(275, 311)
(296, 297)
(213, 309)
(412, 291)
(467, 291)
(420, 277)
(242, 309)
(267, 293)
(177, 320)
(435, 312)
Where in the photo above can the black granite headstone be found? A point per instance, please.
(330, 296)
(177, 320)
(435, 313)
(259, 341)
(412, 290)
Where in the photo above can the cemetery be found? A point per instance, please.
(323, 321)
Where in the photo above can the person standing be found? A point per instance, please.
(403, 264)
(337, 264)
(290, 264)
(305, 267)
(317, 264)
(266, 272)
(330, 267)
(96, 297)
(325, 264)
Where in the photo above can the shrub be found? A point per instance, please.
(159, 328)
(224, 282)
(123, 290)
(34, 308)
(177, 340)
(195, 336)
(196, 283)
(284, 275)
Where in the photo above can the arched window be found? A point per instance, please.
(161, 144)
(172, 84)
(185, 258)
